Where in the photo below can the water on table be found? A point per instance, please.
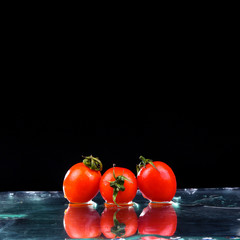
(193, 214)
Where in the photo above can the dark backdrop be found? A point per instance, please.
(38, 147)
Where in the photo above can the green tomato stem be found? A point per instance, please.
(93, 163)
(144, 162)
(118, 185)
(119, 228)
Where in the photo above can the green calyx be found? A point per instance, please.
(119, 228)
(144, 162)
(93, 163)
(117, 185)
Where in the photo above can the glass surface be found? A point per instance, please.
(193, 214)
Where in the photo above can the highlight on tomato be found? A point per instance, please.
(118, 186)
(81, 182)
(81, 221)
(157, 219)
(156, 180)
(119, 222)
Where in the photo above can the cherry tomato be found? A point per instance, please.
(82, 221)
(81, 182)
(119, 222)
(157, 219)
(118, 185)
(156, 180)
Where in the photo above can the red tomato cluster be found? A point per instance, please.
(118, 185)
(83, 221)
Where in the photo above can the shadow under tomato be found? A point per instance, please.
(157, 219)
(119, 222)
(82, 221)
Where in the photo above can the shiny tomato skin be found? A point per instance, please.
(125, 196)
(125, 215)
(81, 184)
(82, 221)
(157, 186)
(160, 220)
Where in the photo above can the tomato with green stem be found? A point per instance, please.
(156, 180)
(118, 186)
(81, 182)
(119, 222)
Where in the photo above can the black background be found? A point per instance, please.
(37, 147)
(38, 144)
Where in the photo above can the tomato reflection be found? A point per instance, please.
(82, 221)
(157, 219)
(119, 222)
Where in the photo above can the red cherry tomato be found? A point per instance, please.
(119, 182)
(82, 221)
(159, 220)
(117, 222)
(81, 183)
(156, 181)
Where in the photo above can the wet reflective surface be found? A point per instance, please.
(193, 214)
